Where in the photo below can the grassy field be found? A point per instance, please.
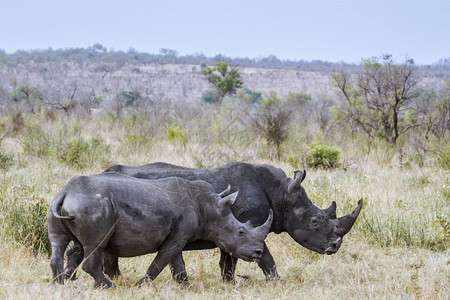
(398, 249)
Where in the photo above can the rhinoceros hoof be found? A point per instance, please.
(70, 275)
(142, 281)
(105, 285)
(273, 278)
(185, 283)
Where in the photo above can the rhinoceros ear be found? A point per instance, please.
(228, 200)
(331, 211)
(299, 176)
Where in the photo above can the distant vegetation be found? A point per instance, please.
(378, 130)
(380, 103)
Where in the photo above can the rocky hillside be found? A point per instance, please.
(84, 74)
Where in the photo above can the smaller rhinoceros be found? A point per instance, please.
(126, 217)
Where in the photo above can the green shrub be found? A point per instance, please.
(174, 132)
(12, 124)
(80, 153)
(6, 160)
(322, 156)
(210, 96)
(74, 154)
(443, 157)
(26, 221)
(249, 96)
(131, 97)
(135, 140)
(36, 141)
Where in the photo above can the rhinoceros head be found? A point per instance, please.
(314, 228)
(236, 238)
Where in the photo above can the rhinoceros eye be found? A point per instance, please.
(241, 231)
(314, 221)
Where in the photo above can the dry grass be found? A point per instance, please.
(398, 249)
(358, 271)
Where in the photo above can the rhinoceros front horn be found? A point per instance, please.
(345, 223)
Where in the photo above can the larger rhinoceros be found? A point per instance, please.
(124, 216)
(261, 188)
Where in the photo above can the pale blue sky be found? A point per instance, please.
(329, 30)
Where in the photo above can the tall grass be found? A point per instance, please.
(398, 248)
(25, 220)
(402, 208)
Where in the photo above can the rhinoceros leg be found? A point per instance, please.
(178, 269)
(227, 265)
(93, 265)
(59, 243)
(74, 256)
(167, 252)
(267, 264)
(111, 265)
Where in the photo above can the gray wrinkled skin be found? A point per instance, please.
(124, 216)
(261, 188)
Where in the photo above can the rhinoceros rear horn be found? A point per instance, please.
(228, 200)
(331, 211)
(299, 176)
(345, 223)
(265, 228)
(225, 192)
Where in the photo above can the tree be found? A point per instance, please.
(226, 79)
(30, 95)
(271, 122)
(67, 105)
(432, 112)
(168, 52)
(98, 48)
(380, 100)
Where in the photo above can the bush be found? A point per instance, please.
(210, 96)
(11, 125)
(322, 156)
(249, 96)
(65, 143)
(443, 157)
(174, 132)
(26, 221)
(36, 141)
(80, 153)
(271, 122)
(6, 160)
(135, 140)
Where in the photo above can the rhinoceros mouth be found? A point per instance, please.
(330, 250)
(334, 246)
(256, 257)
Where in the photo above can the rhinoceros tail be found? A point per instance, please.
(114, 208)
(56, 205)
